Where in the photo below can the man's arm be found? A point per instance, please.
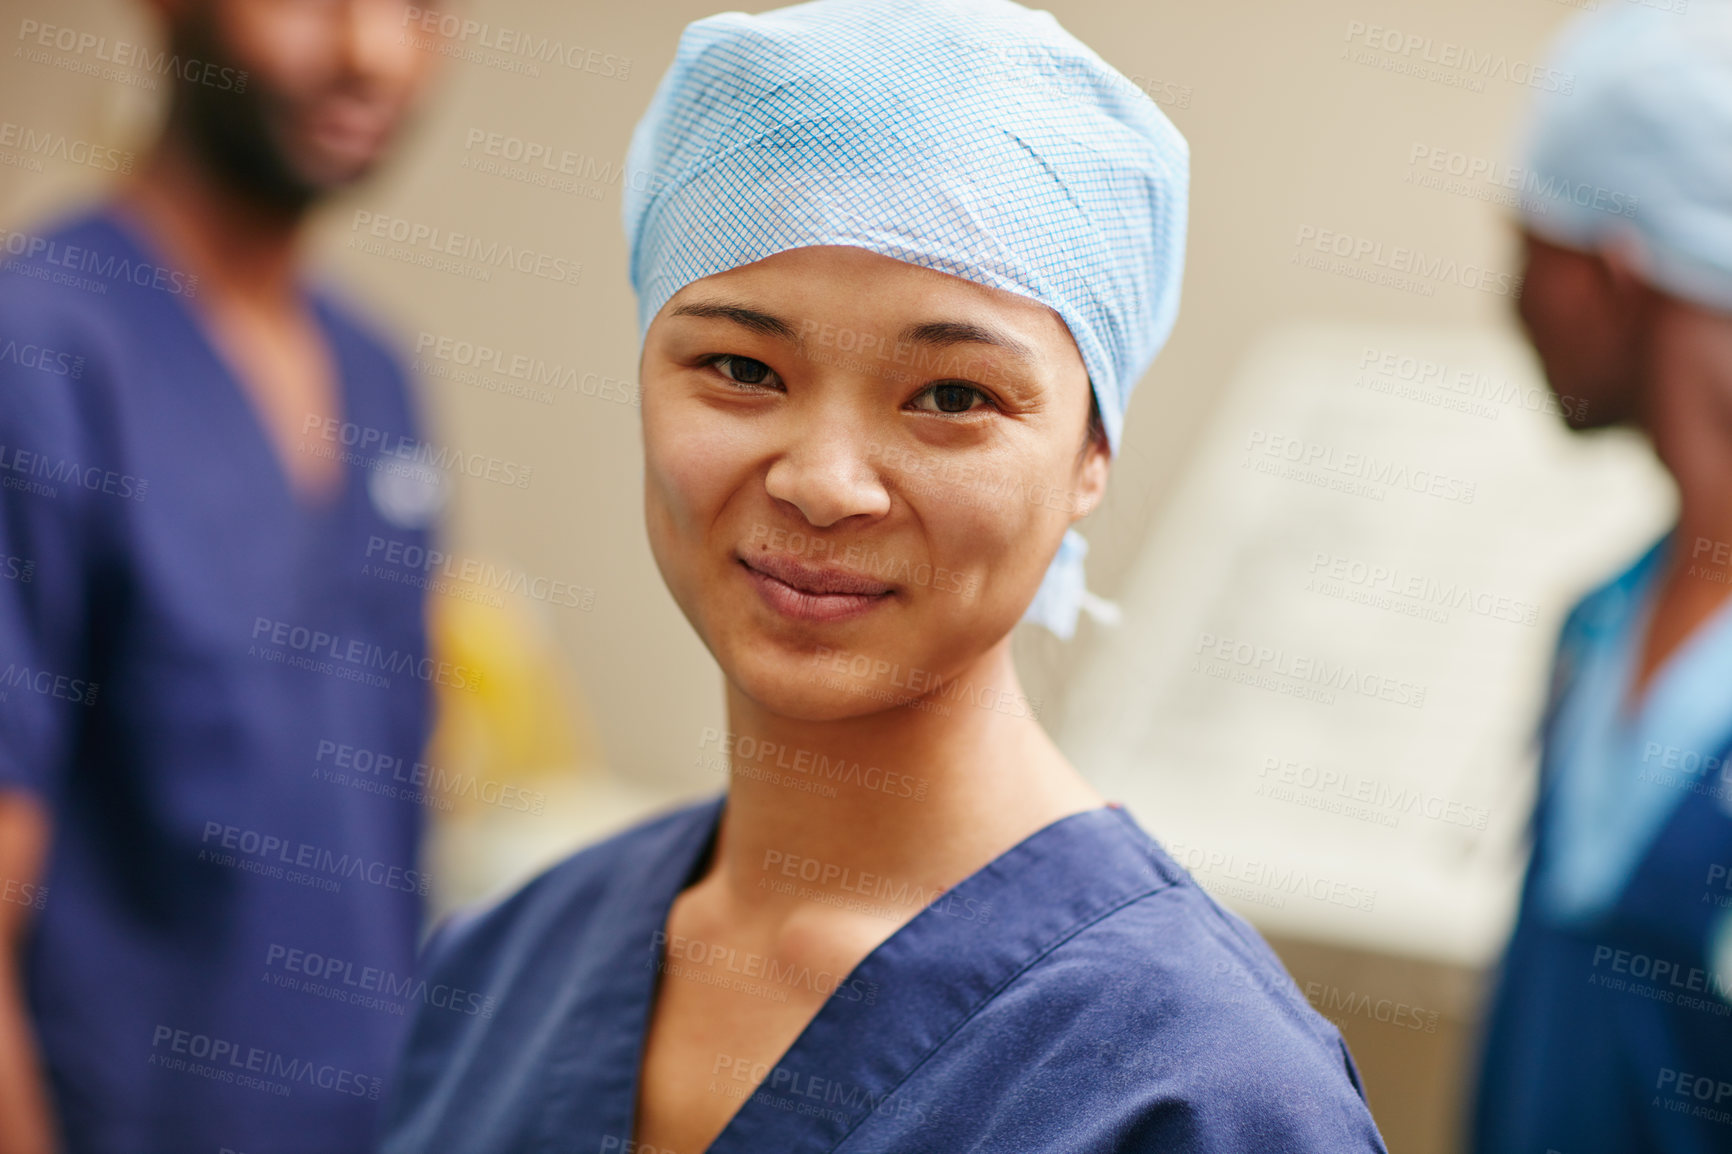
(47, 542)
(26, 1120)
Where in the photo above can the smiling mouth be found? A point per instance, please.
(809, 593)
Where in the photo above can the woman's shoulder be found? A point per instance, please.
(495, 977)
(1179, 951)
(556, 906)
(1201, 968)
(1174, 1020)
(1191, 1003)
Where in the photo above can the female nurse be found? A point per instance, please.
(899, 264)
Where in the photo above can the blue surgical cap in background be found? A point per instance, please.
(1634, 150)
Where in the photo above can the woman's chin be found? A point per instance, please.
(804, 689)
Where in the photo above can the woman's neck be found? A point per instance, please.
(920, 795)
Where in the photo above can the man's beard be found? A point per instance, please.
(230, 131)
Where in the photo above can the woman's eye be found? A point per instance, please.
(743, 370)
(949, 397)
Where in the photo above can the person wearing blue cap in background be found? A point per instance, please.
(1611, 1027)
(876, 288)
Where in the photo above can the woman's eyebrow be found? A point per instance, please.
(943, 334)
(754, 319)
(932, 334)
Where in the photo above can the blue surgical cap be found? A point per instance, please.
(1634, 149)
(975, 137)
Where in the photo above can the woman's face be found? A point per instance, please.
(857, 470)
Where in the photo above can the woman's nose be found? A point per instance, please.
(830, 475)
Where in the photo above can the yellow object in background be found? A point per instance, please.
(517, 776)
(512, 754)
(522, 725)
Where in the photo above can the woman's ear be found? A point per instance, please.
(1090, 483)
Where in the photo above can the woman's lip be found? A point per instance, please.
(807, 606)
(814, 579)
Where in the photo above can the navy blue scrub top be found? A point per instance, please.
(1615, 1035)
(221, 898)
(1078, 994)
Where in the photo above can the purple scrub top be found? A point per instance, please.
(1079, 993)
(185, 648)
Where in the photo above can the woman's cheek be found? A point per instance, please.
(1018, 531)
(688, 483)
(977, 537)
(692, 463)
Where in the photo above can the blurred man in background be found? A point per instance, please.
(1611, 1028)
(204, 922)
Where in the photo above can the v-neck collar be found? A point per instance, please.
(926, 981)
(131, 234)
